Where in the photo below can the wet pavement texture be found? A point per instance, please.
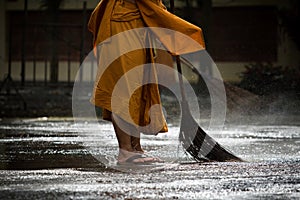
(55, 158)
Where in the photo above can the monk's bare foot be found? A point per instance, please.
(135, 158)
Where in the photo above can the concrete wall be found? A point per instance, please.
(288, 54)
(43, 71)
(40, 66)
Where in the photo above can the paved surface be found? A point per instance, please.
(55, 158)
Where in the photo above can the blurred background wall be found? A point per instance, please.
(44, 43)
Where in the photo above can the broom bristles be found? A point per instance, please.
(198, 143)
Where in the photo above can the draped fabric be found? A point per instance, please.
(154, 14)
(111, 17)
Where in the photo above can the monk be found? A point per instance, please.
(112, 17)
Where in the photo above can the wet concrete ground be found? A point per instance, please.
(55, 158)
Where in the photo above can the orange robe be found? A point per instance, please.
(111, 17)
(153, 13)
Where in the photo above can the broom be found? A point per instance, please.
(193, 138)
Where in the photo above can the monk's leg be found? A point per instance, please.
(136, 144)
(123, 138)
(126, 142)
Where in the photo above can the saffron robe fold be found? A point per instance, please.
(111, 17)
(154, 14)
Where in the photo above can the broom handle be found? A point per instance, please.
(172, 6)
(182, 91)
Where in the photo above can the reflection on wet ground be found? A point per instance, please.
(59, 159)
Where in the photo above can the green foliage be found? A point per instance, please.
(264, 78)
